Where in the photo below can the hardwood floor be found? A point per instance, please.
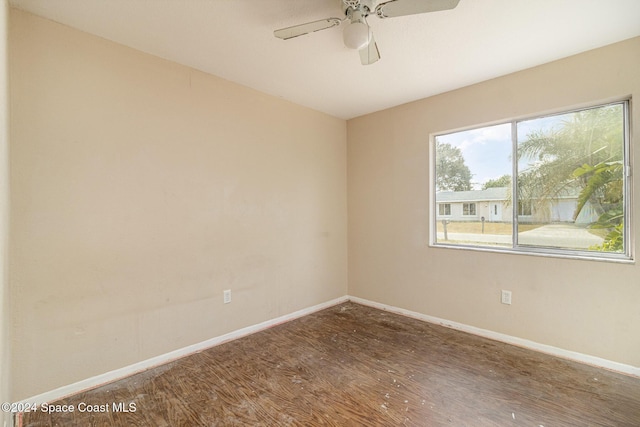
(352, 365)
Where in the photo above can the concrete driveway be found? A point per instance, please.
(551, 235)
(560, 235)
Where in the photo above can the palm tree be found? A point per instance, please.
(605, 181)
(551, 153)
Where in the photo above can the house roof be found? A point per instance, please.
(496, 194)
(490, 194)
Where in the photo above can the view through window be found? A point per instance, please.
(570, 189)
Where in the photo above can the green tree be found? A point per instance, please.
(605, 179)
(503, 181)
(452, 174)
(548, 158)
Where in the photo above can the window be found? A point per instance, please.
(524, 208)
(468, 209)
(557, 184)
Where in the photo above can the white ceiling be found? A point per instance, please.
(422, 55)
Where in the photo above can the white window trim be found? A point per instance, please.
(628, 257)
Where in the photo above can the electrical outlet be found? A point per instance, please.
(506, 297)
(227, 296)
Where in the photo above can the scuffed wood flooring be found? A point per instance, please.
(352, 365)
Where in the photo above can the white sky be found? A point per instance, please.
(487, 150)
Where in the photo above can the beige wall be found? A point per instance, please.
(4, 213)
(584, 306)
(141, 189)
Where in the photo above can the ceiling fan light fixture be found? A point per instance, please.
(356, 35)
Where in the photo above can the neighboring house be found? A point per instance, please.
(494, 204)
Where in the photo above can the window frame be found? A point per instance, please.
(469, 207)
(444, 206)
(525, 208)
(627, 256)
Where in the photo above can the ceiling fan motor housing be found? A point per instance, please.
(365, 6)
(350, 3)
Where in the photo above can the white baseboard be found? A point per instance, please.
(126, 371)
(508, 339)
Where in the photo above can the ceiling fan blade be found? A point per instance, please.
(370, 53)
(309, 27)
(395, 8)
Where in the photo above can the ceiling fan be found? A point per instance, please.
(357, 34)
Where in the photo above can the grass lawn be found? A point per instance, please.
(489, 227)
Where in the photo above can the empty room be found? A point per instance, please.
(319, 212)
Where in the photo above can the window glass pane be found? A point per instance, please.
(473, 177)
(570, 182)
(445, 209)
(570, 195)
(469, 209)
